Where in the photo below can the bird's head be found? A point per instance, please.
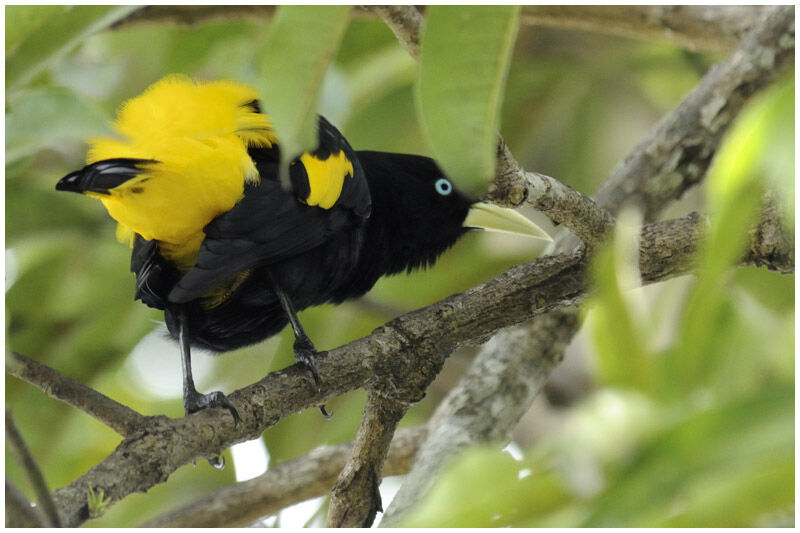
(422, 213)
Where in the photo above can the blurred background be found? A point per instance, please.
(595, 449)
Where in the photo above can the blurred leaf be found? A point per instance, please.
(619, 338)
(735, 191)
(737, 497)
(465, 57)
(759, 147)
(56, 36)
(655, 490)
(482, 488)
(69, 119)
(771, 289)
(24, 20)
(301, 44)
(379, 73)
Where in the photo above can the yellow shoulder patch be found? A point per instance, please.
(326, 177)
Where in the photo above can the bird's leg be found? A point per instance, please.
(193, 401)
(304, 350)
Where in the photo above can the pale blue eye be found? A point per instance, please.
(443, 187)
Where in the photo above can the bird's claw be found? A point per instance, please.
(305, 354)
(195, 402)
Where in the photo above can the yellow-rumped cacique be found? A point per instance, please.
(192, 179)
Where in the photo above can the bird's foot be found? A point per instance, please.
(193, 401)
(304, 353)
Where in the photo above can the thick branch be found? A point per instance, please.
(308, 477)
(118, 417)
(405, 22)
(406, 349)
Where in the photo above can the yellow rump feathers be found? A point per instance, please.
(197, 134)
(177, 106)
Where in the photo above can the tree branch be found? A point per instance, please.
(23, 455)
(657, 172)
(424, 337)
(509, 370)
(118, 417)
(701, 28)
(678, 151)
(772, 240)
(355, 499)
(308, 477)
(513, 186)
(421, 339)
(405, 22)
(19, 511)
(412, 347)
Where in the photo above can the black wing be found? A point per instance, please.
(102, 176)
(155, 276)
(270, 224)
(266, 226)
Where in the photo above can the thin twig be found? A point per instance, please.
(31, 469)
(19, 511)
(513, 186)
(118, 417)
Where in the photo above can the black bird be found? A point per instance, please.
(226, 252)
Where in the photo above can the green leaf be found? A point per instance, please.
(465, 57)
(722, 448)
(759, 147)
(300, 46)
(619, 338)
(69, 119)
(735, 190)
(57, 36)
(485, 488)
(24, 20)
(379, 73)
